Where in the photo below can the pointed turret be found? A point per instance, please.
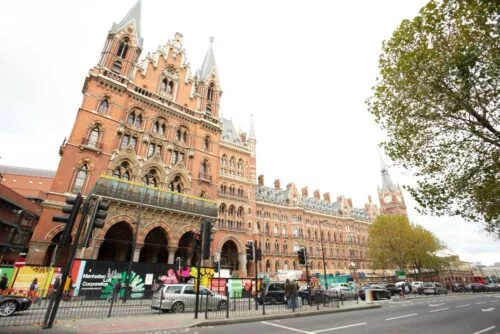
(133, 17)
(251, 133)
(124, 44)
(251, 137)
(386, 178)
(208, 66)
(208, 79)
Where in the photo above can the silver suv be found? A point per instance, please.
(182, 297)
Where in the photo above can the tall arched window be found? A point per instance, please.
(151, 178)
(240, 167)
(103, 106)
(80, 178)
(210, 92)
(123, 48)
(206, 143)
(123, 171)
(93, 137)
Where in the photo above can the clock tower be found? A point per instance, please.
(390, 194)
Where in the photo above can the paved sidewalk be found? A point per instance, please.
(169, 321)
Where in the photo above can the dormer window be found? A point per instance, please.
(123, 48)
(117, 67)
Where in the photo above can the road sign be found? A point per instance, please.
(20, 262)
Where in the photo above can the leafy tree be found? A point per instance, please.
(394, 242)
(438, 99)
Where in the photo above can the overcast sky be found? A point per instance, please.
(303, 69)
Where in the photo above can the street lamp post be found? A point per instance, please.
(323, 253)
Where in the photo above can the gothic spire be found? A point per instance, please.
(208, 63)
(133, 16)
(386, 178)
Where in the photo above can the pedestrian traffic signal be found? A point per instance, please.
(71, 208)
(249, 247)
(216, 266)
(302, 256)
(206, 234)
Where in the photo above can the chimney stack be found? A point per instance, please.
(349, 202)
(316, 195)
(277, 184)
(305, 193)
(326, 197)
(261, 180)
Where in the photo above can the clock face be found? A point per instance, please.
(388, 199)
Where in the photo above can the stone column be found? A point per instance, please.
(37, 251)
(243, 264)
(171, 254)
(96, 245)
(137, 252)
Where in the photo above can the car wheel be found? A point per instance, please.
(389, 296)
(222, 305)
(178, 307)
(8, 308)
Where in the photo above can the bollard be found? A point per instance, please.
(368, 296)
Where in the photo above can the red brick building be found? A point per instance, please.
(149, 139)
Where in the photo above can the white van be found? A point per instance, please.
(417, 287)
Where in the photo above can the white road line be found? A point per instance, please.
(440, 309)
(462, 305)
(342, 327)
(480, 303)
(432, 305)
(403, 316)
(285, 327)
(484, 330)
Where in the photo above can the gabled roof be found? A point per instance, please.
(134, 15)
(229, 133)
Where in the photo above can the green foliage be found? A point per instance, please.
(394, 242)
(438, 99)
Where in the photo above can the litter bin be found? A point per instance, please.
(368, 295)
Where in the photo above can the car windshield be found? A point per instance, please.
(429, 285)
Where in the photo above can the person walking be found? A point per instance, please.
(33, 292)
(4, 281)
(294, 291)
(288, 293)
(116, 290)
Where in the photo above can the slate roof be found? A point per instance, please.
(134, 14)
(208, 63)
(27, 171)
(229, 133)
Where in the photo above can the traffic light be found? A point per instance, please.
(216, 266)
(258, 254)
(249, 247)
(100, 213)
(206, 230)
(72, 208)
(302, 256)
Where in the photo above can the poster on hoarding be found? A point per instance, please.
(218, 285)
(26, 275)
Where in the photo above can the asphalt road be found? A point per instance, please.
(468, 314)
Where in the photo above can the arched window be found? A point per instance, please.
(103, 106)
(128, 140)
(80, 178)
(93, 137)
(123, 171)
(240, 167)
(123, 48)
(204, 168)
(138, 121)
(117, 67)
(181, 134)
(151, 178)
(206, 143)
(131, 118)
(176, 184)
(210, 92)
(156, 127)
(232, 166)
(153, 149)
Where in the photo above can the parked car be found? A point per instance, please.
(395, 290)
(492, 287)
(417, 287)
(347, 293)
(378, 292)
(182, 297)
(11, 304)
(274, 293)
(478, 287)
(457, 287)
(434, 288)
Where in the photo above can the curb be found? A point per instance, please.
(225, 321)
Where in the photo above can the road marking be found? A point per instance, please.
(403, 316)
(285, 327)
(440, 309)
(462, 305)
(484, 330)
(488, 309)
(342, 327)
(479, 303)
(432, 305)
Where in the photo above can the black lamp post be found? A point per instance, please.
(323, 253)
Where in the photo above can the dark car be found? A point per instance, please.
(478, 287)
(11, 304)
(457, 287)
(395, 290)
(274, 293)
(377, 292)
(492, 287)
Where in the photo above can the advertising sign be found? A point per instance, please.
(219, 285)
(27, 274)
(235, 288)
(9, 271)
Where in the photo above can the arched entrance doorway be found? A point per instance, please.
(229, 256)
(59, 259)
(117, 244)
(185, 250)
(155, 248)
